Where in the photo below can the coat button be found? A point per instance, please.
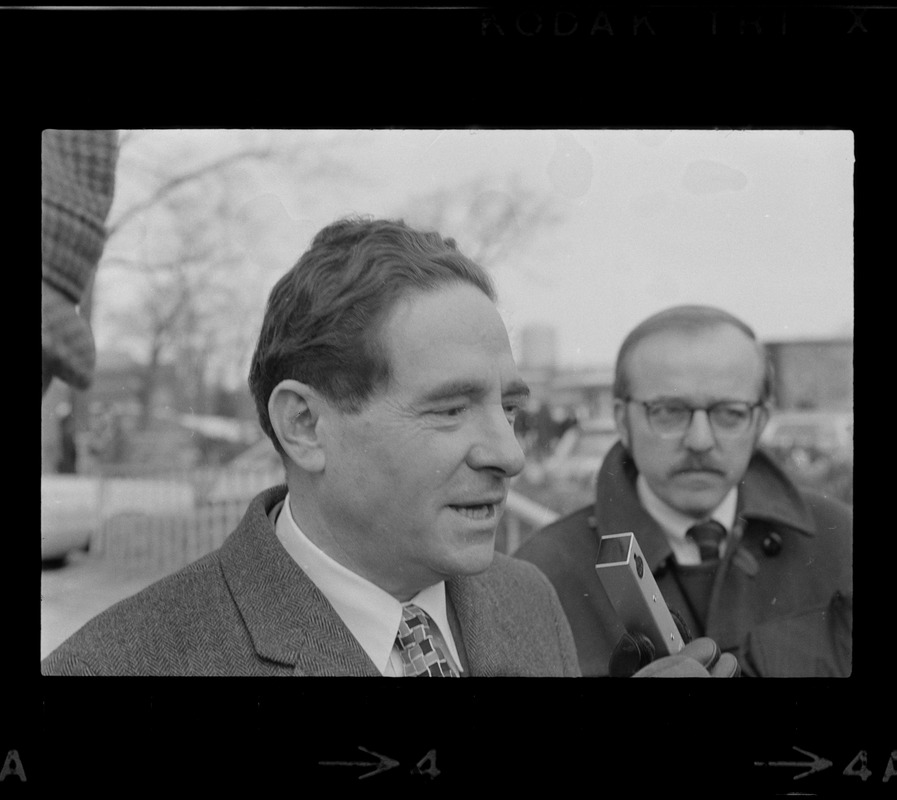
(772, 544)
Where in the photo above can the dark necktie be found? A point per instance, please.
(421, 655)
(708, 536)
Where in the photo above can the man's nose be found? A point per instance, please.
(699, 435)
(497, 447)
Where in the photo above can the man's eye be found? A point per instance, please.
(729, 415)
(511, 411)
(453, 411)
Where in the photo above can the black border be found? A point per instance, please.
(442, 68)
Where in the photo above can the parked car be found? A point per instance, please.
(815, 449)
(816, 433)
(69, 513)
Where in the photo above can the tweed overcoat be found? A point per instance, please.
(248, 609)
(780, 600)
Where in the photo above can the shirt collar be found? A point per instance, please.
(371, 614)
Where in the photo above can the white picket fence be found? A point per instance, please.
(139, 539)
(144, 523)
(159, 533)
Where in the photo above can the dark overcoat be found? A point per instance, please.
(780, 599)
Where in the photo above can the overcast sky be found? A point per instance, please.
(758, 222)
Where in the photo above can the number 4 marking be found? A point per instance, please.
(863, 772)
(429, 758)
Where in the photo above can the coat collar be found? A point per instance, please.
(765, 493)
(288, 618)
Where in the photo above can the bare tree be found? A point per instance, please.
(165, 180)
(191, 307)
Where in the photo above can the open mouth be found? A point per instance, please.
(476, 512)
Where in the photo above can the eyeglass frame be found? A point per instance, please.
(647, 404)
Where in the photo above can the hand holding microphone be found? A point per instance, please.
(700, 658)
(657, 643)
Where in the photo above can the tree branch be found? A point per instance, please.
(168, 187)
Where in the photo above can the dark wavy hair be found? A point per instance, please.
(323, 318)
(686, 319)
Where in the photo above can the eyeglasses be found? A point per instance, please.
(671, 418)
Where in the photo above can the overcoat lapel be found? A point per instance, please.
(288, 618)
(485, 630)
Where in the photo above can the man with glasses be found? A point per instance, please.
(741, 554)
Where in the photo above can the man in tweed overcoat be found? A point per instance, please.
(384, 376)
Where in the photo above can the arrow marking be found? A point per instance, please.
(384, 764)
(816, 765)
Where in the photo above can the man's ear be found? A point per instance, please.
(294, 409)
(763, 414)
(621, 421)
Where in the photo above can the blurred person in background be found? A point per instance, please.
(67, 462)
(77, 185)
(383, 375)
(741, 554)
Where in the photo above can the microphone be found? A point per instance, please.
(634, 594)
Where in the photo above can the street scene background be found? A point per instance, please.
(584, 232)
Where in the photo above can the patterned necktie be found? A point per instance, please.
(421, 655)
(707, 535)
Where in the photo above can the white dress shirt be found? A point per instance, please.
(674, 523)
(371, 614)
